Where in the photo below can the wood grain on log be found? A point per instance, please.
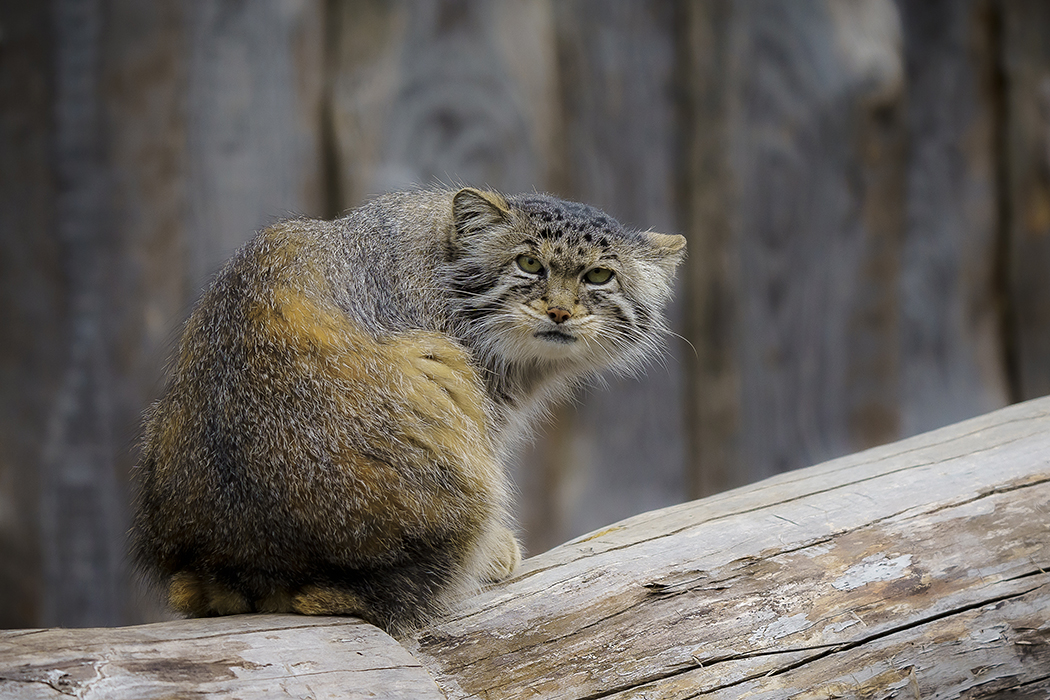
(246, 656)
(916, 569)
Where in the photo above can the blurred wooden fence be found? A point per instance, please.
(865, 186)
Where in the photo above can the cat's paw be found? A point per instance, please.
(453, 384)
(327, 600)
(201, 596)
(502, 555)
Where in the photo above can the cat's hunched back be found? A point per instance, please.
(345, 395)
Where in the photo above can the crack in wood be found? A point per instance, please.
(707, 664)
(37, 681)
(239, 633)
(1039, 570)
(1029, 683)
(825, 650)
(847, 646)
(17, 634)
(994, 491)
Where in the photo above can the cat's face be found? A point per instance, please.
(543, 280)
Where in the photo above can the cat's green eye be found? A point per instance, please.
(529, 264)
(599, 275)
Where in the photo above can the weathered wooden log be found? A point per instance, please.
(917, 569)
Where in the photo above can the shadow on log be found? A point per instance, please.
(920, 569)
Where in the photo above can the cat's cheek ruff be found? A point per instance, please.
(626, 335)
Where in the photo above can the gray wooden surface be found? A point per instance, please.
(245, 656)
(712, 269)
(864, 187)
(254, 73)
(32, 331)
(1026, 181)
(80, 501)
(916, 569)
(814, 150)
(953, 359)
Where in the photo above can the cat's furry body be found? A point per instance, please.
(346, 393)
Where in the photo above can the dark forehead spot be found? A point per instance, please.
(569, 217)
(603, 242)
(580, 251)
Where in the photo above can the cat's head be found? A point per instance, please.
(542, 280)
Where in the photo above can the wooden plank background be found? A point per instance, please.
(865, 186)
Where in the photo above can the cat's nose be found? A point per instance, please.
(558, 314)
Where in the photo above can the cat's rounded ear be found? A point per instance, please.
(474, 210)
(670, 249)
(667, 244)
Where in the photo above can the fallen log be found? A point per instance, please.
(916, 569)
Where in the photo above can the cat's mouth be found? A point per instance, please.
(556, 337)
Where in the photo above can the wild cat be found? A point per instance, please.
(346, 393)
